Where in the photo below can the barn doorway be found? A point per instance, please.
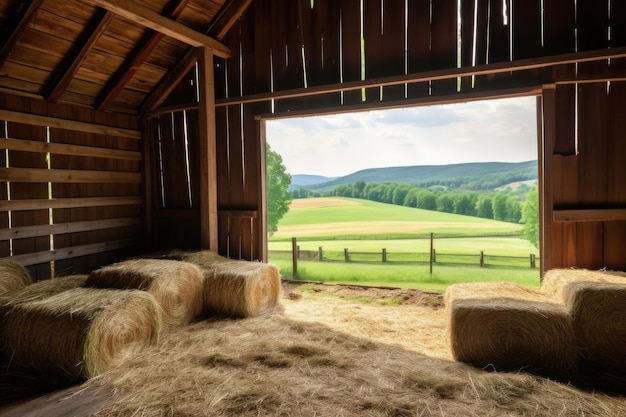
(413, 197)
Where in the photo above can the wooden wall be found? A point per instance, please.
(70, 186)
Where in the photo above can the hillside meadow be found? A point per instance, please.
(337, 223)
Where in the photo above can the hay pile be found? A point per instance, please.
(505, 326)
(42, 289)
(241, 288)
(13, 276)
(177, 286)
(555, 281)
(599, 313)
(81, 332)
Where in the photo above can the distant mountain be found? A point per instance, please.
(304, 180)
(471, 175)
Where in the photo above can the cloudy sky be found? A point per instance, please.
(336, 145)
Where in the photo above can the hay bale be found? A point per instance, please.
(505, 326)
(241, 288)
(202, 258)
(598, 310)
(555, 280)
(177, 286)
(42, 289)
(81, 332)
(13, 276)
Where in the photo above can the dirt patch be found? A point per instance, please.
(384, 295)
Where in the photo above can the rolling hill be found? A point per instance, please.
(471, 175)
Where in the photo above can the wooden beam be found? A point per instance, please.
(208, 160)
(225, 19)
(117, 83)
(169, 82)
(66, 149)
(21, 24)
(443, 74)
(37, 120)
(88, 41)
(61, 203)
(590, 215)
(63, 228)
(70, 176)
(148, 18)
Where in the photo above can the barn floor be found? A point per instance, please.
(328, 351)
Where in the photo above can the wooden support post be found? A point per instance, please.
(432, 253)
(533, 262)
(482, 259)
(294, 257)
(346, 255)
(384, 255)
(320, 254)
(208, 162)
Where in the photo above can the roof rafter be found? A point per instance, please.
(153, 20)
(21, 25)
(89, 39)
(222, 23)
(117, 83)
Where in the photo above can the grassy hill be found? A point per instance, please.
(349, 218)
(479, 175)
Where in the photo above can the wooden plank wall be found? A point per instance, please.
(70, 182)
(296, 44)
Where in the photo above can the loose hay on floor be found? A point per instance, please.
(13, 276)
(81, 332)
(599, 313)
(506, 326)
(555, 280)
(177, 286)
(241, 288)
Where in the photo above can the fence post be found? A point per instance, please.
(298, 251)
(320, 254)
(432, 254)
(384, 255)
(294, 257)
(346, 255)
(533, 263)
(482, 259)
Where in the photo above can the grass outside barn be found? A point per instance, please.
(334, 224)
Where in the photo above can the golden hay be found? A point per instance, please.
(241, 288)
(555, 280)
(598, 310)
(202, 258)
(81, 332)
(177, 286)
(275, 365)
(42, 289)
(13, 276)
(505, 326)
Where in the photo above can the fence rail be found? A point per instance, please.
(479, 259)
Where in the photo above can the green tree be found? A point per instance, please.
(530, 217)
(484, 208)
(278, 195)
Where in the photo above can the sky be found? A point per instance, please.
(503, 130)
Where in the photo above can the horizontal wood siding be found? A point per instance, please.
(71, 186)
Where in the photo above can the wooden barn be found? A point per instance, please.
(132, 127)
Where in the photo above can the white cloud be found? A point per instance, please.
(483, 131)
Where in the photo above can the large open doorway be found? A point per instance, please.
(416, 197)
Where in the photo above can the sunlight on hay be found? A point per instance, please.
(599, 312)
(81, 332)
(555, 280)
(13, 276)
(177, 286)
(507, 326)
(280, 365)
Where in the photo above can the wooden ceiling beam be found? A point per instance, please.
(117, 83)
(153, 20)
(21, 24)
(222, 23)
(89, 39)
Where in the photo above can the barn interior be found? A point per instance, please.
(129, 128)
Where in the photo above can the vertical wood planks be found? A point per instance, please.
(444, 43)
(418, 44)
(5, 247)
(351, 47)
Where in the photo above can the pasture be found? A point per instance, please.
(336, 223)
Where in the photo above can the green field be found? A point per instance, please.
(334, 224)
